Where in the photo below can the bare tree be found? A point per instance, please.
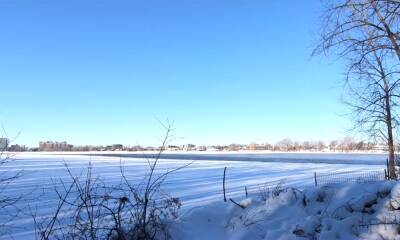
(345, 23)
(8, 201)
(373, 85)
(366, 34)
(285, 145)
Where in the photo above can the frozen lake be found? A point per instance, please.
(197, 184)
(328, 158)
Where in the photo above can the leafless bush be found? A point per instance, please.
(90, 209)
(79, 212)
(267, 190)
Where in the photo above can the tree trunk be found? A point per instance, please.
(392, 164)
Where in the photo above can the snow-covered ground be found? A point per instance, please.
(197, 185)
(342, 211)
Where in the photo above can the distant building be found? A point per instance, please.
(259, 147)
(17, 148)
(4, 142)
(189, 147)
(150, 148)
(252, 146)
(54, 146)
(117, 147)
(201, 148)
(213, 148)
(379, 147)
(135, 148)
(172, 148)
(234, 147)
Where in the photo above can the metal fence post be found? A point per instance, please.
(223, 185)
(315, 178)
(387, 168)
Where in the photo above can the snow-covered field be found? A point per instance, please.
(196, 185)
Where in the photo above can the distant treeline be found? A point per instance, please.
(347, 144)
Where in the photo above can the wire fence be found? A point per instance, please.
(266, 186)
(271, 188)
(350, 177)
(263, 190)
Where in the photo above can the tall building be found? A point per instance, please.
(4, 142)
(54, 146)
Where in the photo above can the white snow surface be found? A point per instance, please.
(199, 186)
(351, 211)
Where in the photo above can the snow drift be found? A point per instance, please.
(352, 211)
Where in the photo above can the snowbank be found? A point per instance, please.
(356, 211)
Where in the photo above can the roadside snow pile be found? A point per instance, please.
(356, 211)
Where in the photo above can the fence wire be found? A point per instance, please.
(350, 177)
(266, 186)
(271, 188)
(263, 190)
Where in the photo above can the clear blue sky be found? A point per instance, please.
(100, 72)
